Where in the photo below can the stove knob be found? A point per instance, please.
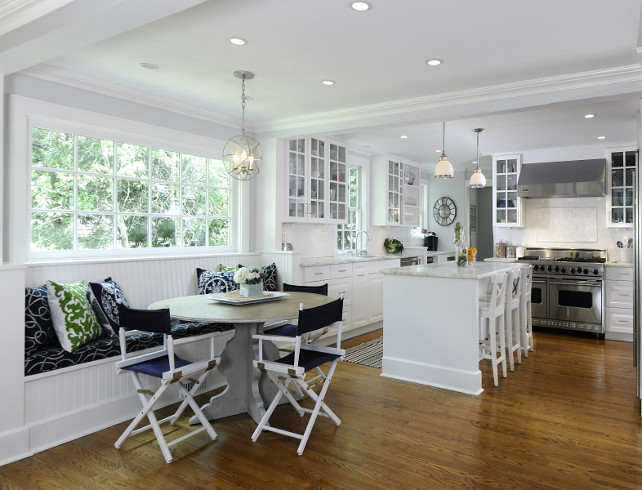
(572, 270)
(563, 270)
(595, 272)
(549, 268)
(556, 269)
(585, 271)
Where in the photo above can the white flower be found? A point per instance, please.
(246, 276)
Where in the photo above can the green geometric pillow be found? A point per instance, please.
(224, 268)
(73, 318)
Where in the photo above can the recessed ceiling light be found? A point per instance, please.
(601, 137)
(403, 137)
(589, 116)
(149, 66)
(239, 41)
(328, 82)
(434, 62)
(360, 6)
(438, 151)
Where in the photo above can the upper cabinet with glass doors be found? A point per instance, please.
(506, 203)
(395, 191)
(316, 181)
(621, 177)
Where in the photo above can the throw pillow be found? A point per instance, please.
(73, 318)
(270, 282)
(39, 330)
(107, 295)
(215, 282)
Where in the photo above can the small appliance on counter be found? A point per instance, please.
(431, 241)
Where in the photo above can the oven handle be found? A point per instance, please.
(577, 283)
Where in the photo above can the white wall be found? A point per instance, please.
(455, 189)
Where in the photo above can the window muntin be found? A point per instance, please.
(95, 194)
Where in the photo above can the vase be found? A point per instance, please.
(462, 256)
(249, 290)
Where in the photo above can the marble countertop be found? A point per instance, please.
(617, 263)
(312, 261)
(476, 270)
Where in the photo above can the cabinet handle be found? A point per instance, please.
(360, 275)
(625, 295)
(318, 273)
(623, 321)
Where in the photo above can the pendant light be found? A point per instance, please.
(444, 169)
(477, 180)
(242, 154)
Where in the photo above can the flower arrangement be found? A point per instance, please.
(247, 276)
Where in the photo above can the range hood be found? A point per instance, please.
(577, 178)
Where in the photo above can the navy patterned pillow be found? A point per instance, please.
(269, 283)
(39, 331)
(108, 295)
(215, 282)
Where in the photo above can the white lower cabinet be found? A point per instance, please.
(618, 299)
(361, 284)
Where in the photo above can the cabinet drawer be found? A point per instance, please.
(316, 273)
(619, 273)
(619, 294)
(619, 320)
(337, 287)
(341, 270)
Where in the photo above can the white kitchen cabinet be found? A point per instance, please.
(367, 288)
(395, 191)
(620, 187)
(316, 181)
(506, 202)
(339, 280)
(618, 299)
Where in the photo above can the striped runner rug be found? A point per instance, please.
(366, 353)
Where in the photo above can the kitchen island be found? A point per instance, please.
(431, 323)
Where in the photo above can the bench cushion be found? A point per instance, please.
(55, 357)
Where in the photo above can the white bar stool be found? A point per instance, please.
(513, 327)
(491, 325)
(526, 321)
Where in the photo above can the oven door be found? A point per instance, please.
(538, 298)
(575, 300)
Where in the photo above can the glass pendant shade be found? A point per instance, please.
(444, 169)
(477, 180)
(242, 155)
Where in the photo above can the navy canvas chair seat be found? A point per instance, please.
(292, 368)
(167, 368)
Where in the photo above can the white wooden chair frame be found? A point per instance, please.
(492, 312)
(513, 317)
(194, 373)
(526, 320)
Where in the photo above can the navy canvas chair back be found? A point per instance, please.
(322, 289)
(312, 319)
(157, 321)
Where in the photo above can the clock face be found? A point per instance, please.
(444, 211)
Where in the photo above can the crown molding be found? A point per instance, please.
(583, 80)
(74, 80)
(16, 13)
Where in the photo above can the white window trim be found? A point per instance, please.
(26, 113)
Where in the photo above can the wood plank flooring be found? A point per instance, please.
(567, 418)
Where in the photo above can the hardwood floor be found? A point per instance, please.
(566, 418)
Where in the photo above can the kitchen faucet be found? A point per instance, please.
(363, 250)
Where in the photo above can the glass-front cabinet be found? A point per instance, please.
(506, 203)
(395, 191)
(621, 177)
(316, 181)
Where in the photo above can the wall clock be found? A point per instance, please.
(444, 211)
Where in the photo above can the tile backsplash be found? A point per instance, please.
(565, 225)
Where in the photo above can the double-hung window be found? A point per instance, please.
(347, 233)
(89, 193)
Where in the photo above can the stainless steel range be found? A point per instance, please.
(567, 288)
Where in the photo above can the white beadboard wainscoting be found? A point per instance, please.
(49, 409)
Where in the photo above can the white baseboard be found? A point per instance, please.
(14, 445)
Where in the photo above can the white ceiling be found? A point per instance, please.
(526, 72)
